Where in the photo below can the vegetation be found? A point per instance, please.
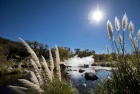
(40, 79)
(126, 79)
(15, 52)
(57, 87)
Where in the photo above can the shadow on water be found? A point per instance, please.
(82, 84)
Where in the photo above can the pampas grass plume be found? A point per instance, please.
(32, 77)
(124, 22)
(30, 85)
(131, 27)
(17, 89)
(33, 55)
(45, 65)
(110, 30)
(58, 62)
(52, 63)
(138, 34)
(37, 72)
(117, 24)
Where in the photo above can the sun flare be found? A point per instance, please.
(95, 16)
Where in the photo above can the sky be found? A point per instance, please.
(66, 22)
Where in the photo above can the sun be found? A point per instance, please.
(95, 16)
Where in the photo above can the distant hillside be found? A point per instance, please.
(11, 50)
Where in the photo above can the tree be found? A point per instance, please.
(77, 50)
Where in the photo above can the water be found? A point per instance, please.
(79, 81)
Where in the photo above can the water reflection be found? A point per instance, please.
(79, 81)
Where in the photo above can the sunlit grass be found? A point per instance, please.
(125, 78)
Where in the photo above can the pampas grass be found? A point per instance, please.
(17, 89)
(124, 22)
(125, 79)
(117, 24)
(32, 77)
(33, 55)
(36, 79)
(58, 62)
(131, 27)
(45, 65)
(110, 30)
(27, 84)
(52, 63)
(138, 34)
(37, 72)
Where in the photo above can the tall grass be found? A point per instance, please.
(59, 87)
(52, 63)
(43, 80)
(126, 78)
(37, 72)
(45, 65)
(33, 55)
(58, 63)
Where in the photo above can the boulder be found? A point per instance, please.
(103, 65)
(62, 66)
(91, 76)
(93, 64)
(69, 70)
(86, 66)
(81, 71)
(74, 70)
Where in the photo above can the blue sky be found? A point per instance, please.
(65, 22)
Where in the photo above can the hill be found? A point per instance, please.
(10, 50)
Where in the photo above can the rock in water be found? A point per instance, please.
(62, 66)
(81, 71)
(91, 76)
